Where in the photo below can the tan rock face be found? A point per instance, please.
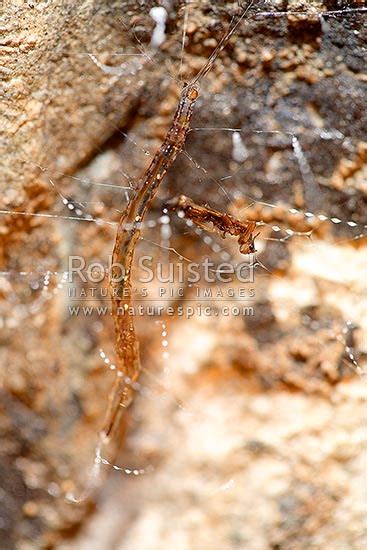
(249, 429)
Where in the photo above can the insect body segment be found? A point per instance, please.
(128, 234)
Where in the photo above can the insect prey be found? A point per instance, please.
(203, 216)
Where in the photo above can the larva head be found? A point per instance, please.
(192, 91)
